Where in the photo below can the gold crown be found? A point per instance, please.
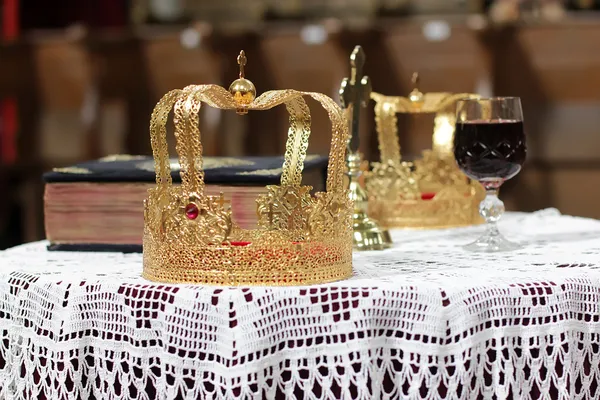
(430, 192)
(192, 237)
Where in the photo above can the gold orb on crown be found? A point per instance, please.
(192, 237)
(430, 192)
(242, 89)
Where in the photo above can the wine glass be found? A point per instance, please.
(489, 147)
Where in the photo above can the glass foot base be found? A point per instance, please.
(492, 244)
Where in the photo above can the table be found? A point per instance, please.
(424, 320)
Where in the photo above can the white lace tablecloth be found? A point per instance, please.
(424, 320)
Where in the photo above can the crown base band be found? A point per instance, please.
(295, 264)
(427, 214)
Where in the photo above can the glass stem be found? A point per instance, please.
(491, 209)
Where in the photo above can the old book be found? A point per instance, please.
(98, 205)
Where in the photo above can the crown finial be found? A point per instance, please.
(415, 79)
(242, 60)
(242, 89)
(416, 97)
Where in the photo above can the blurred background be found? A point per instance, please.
(79, 79)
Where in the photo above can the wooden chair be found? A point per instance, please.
(69, 131)
(453, 62)
(121, 76)
(19, 180)
(171, 65)
(256, 133)
(554, 69)
(316, 67)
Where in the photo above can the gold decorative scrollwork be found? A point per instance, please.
(431, 191)
(192, 237)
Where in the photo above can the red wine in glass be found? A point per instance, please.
(489, 147)
(488, 150)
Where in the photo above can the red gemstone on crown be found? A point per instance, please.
(191, 211)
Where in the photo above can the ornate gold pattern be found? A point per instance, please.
(272, 171)
(191, 237)
(430, 192)
(72, 170)
(284, 208)
(221, 162)
(207, 163)
(120, 157)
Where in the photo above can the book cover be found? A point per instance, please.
(217, 170)
(98, 205)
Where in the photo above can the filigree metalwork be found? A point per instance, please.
(430, 192)
(284, 208)
(192, 237)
